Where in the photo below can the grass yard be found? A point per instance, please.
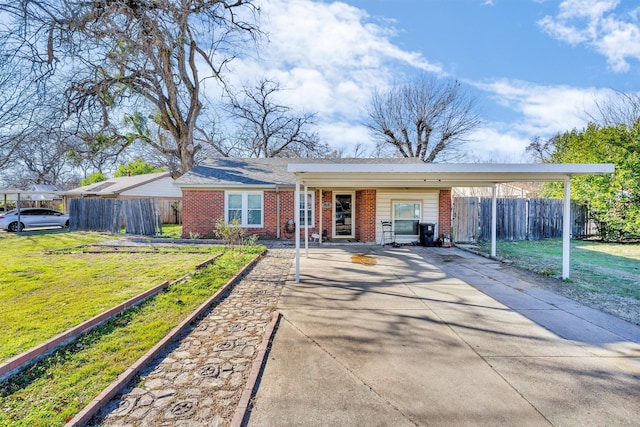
(55, 389)
(48, 285)
(596, 268)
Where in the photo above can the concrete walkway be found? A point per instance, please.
(435, 336)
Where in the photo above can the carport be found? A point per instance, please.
(17, 195)
(325, 174)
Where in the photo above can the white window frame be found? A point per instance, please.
(245, 207)
(393, 216)
(311, 206)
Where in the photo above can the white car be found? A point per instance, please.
(33, 217)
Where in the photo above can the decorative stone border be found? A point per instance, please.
(83, 417)
(22, 360)
(258, 364)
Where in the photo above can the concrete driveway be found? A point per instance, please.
(434, 336)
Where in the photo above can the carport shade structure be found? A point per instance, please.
(325, 173)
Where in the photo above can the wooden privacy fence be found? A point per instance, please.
(516, 219)
(138, 216)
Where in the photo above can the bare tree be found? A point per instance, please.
(622, 108)
(123, 54)
(270, 129)
(428, 119)
(541, 150)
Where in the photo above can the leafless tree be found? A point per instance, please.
(138, 61)
(622, 108)
(541, 150)
(428, 118)
(270, 129)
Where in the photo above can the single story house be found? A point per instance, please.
(349, 198)
(158, 186)
(259, 194)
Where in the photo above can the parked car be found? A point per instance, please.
(33, 217)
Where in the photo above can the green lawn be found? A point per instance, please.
(56, 388)
(48, 285)
(604, 268)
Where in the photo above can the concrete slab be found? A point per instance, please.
(416, 336)
(574, 391)
(322, 391)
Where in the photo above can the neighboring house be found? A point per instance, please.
(259, 194)
(158, 186)
(519, 190)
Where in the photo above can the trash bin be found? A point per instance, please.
(427, 231)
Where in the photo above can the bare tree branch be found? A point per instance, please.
(427, 119)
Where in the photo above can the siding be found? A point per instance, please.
(429, 199)
(160, 188)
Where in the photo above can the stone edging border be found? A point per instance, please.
(109, 393)
(22, 360)
(256, 368)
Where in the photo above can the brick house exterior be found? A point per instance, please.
(221, 188)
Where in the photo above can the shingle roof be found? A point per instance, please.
(115, 186)
(225, 172)
(232, 171)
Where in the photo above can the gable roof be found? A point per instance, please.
(230, 172)
(261, 172)
(115, 186)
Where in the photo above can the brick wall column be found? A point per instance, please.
(444, 212)
(366, 215)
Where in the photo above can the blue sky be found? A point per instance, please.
(536, 65)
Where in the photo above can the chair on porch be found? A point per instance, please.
(387, 233)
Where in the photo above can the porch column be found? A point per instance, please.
(320, 217)
(296, 219)
(494, 219)
(566, 229)
(306, 222)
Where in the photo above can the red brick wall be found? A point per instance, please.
(200, 210)
(366, 216)
(444, 212)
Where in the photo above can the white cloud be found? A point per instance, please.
(595, 23)
(496, 142)
(329, 57)
(545, 110)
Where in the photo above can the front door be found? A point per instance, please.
(344, 215)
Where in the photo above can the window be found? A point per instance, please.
(406, 218)
(310, 209)
(245, 207)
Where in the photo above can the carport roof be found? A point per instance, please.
(432, 175)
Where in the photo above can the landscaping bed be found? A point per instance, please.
(56, 388)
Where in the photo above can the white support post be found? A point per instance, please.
(320, 216)
(494, 219)
(566, 229)
(296, 218)
(306, 221)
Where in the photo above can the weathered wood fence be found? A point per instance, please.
(137, 216)
(516, 219)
